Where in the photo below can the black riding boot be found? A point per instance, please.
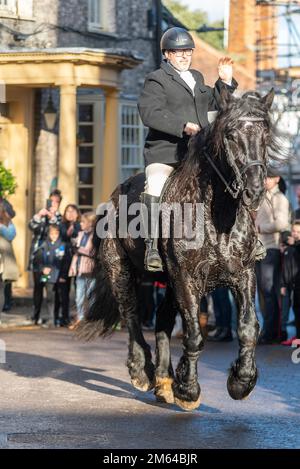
(7, 297)
(153, 260)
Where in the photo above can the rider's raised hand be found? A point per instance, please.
(225, 69)
(191, 129)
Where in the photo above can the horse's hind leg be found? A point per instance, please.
(243, 373)
(119, 270)
(165, 319)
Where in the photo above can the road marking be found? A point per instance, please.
(46, 439)
(3, 440)
(18, 328)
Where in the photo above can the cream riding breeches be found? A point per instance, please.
(156, 176)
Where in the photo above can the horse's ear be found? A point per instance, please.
(225, 97)
(268, 99)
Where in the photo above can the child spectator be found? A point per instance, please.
(290, 279)
(50, 263)
(82, 264)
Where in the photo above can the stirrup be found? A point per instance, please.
(152, 262)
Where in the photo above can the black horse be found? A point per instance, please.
(225, 171)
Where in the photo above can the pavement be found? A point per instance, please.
(57, 392)
(21, 312)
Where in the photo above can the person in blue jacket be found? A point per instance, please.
(9, 268)
(51, 263)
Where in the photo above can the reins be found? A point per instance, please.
(237, 183)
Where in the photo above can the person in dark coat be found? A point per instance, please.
(174, 105)
(290, 275)
(40, 222)
(39, 225)
(50, 263)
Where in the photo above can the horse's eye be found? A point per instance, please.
(231, 138)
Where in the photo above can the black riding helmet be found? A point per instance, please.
(176, 38)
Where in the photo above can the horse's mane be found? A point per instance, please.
(211, 139)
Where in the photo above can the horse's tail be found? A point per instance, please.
(102, 315)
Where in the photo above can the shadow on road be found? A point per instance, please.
(34, 366)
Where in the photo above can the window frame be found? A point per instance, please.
(98, 103)
(10, 9)
(16, 9)
(104, 24)
(139, 166)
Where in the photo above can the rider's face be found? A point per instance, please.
(180, 63)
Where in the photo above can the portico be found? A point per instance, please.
(23, 71)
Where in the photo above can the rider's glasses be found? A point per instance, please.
(182, 52)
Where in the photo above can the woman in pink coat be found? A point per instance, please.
(82, 262)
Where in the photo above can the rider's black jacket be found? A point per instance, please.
(167, 103)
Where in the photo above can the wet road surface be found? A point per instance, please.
(57, 392)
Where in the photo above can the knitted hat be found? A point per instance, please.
(8, 208)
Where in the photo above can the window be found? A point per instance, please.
(8, 6)
(25, 9)
(101, 16)
(132, 140)
(19, 9)
(89, 135)
(94, 13)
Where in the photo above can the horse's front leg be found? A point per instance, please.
(164, 376)
(243, 373)
(186, 388)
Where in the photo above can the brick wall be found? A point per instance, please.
(206, 59)
(253, 26)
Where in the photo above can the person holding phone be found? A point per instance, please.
(39, 225)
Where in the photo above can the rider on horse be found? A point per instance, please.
(175, 105)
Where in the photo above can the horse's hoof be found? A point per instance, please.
(188, 405)
(240, 390)
(142, 386)
(163, 390)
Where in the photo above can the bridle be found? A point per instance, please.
(237, 184)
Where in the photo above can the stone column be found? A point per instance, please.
(111, 148)
(67, 162)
